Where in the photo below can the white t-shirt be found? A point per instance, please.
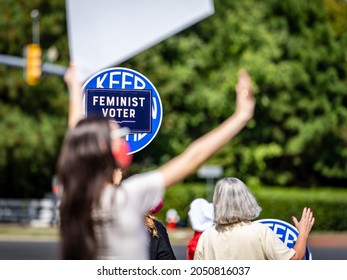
(119, 224)
(241, 241)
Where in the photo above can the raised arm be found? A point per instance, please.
(204, 147)
(304, 227)
(74, 85)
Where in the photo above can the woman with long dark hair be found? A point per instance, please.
(102, 221)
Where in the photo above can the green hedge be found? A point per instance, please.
(328, 204)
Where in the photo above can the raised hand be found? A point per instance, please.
(306, 222)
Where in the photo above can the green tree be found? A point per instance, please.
(298, 61)
(295, 51)
(33, 119)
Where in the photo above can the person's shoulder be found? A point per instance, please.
(265, 230)
(146, 180)
(258, 225)
(160, 226)
(158, 223)
(210, 231)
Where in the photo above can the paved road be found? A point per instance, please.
(48, 250)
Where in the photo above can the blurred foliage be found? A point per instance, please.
(33, 118)
(328, 204)
(298, 60)
(295, 51)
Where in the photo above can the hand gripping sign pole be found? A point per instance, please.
(128, 98)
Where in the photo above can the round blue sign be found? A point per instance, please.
(286, 232)
(127, 97)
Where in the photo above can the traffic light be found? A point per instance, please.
(33, 64)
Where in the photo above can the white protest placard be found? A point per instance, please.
(105, 33)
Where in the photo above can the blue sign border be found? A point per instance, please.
(308, 255)
(101, 79)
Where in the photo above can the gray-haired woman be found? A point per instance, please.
(234, 235)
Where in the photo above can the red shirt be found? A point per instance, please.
(192, 245)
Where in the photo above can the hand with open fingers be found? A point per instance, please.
(245, 101)
(306, 222)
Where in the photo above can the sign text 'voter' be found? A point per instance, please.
(130, 108)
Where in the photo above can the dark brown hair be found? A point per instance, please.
(85, 165)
